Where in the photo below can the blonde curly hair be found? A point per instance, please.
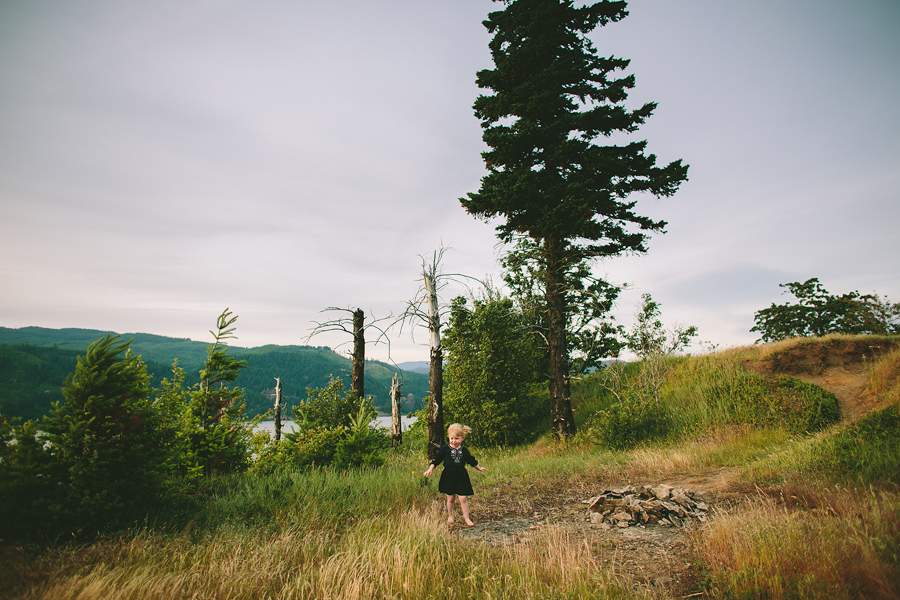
(462, 430)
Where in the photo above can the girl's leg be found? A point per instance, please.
(464, 505)
(450, 509)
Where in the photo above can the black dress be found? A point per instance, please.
(454, 478)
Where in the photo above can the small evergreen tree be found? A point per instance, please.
(220, 437)
(107, 455)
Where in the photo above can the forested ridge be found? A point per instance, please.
(34, 361)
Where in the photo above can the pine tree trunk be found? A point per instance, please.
(396, 423)
(358, 375)
(563, 421)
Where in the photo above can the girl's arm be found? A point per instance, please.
(438, 458)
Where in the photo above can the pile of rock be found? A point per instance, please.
(661, 504)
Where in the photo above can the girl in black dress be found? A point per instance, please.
(454, 478)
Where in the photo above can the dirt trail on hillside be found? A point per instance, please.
(838, 365)
(658, 557)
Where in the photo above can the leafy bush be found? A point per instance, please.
(328, 407)
(25, 491)
(211, 433)
(626, 424)
(361, 448)
(808, 407)
(328, 438)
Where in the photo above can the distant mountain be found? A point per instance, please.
(39, 359)
(416, 366)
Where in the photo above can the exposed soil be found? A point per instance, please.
(655, 556)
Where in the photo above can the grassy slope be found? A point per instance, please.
(810, 515)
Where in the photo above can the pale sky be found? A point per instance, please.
(160, 161)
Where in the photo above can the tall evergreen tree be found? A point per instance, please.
(551, 98)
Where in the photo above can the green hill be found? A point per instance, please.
(34, 361)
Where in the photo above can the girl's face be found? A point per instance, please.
(456, 440)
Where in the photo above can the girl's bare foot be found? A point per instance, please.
(469, 523)
(450, 521)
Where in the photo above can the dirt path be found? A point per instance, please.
(654, 556)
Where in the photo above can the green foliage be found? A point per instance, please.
(328, 407)
(699, 395)
(25, 491)
(551, 98)
(649, 338)
(591, 330)
(865, 452)
(361, 448)
(212, 433)
(219, 436)
(489, 372)
(334, 429)
(799, 406)
(107, 447)
(627, 424)
(634, 413)
(818, 313)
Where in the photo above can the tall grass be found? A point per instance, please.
(397, 548)
(882, 375)
(847, 546)
(860, 454)
(700, 395)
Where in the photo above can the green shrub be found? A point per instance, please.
(340, 447)
(806, 406)
(328, 407)
(25, 491)
(361, 448)
(327, 437)
(865, 452)
(488, 373)
(626, 424)
(755, 400)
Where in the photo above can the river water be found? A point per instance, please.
(288, 426)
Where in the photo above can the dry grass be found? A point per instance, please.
(412, 556)
(882, 377)
(726, 447)
(844, 546)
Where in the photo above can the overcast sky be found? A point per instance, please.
(160, 161)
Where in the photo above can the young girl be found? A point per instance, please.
(454, 478)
